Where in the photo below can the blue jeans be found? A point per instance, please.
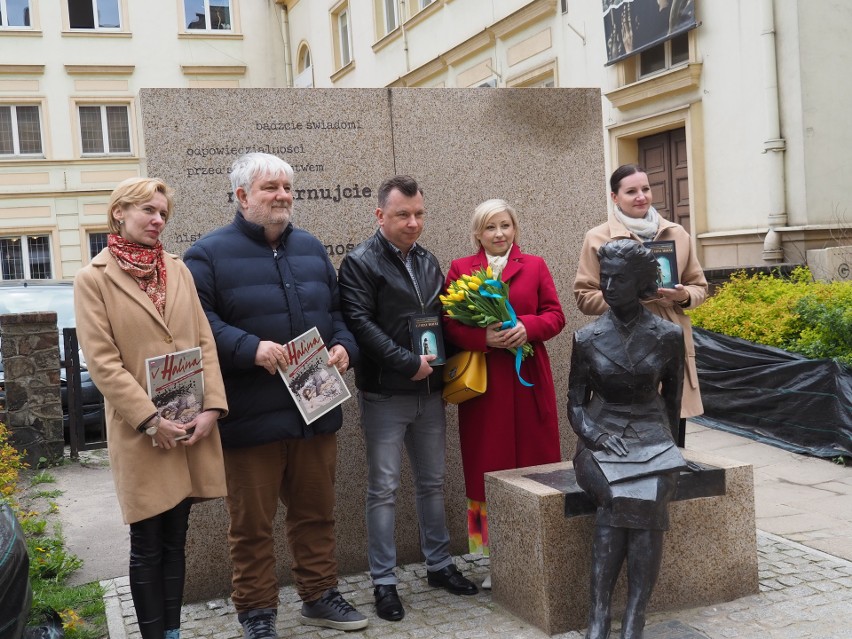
(418, 421)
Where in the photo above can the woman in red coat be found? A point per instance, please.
(511, 425)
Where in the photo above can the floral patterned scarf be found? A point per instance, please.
(144, 264)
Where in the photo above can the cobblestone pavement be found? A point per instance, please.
(804, 594)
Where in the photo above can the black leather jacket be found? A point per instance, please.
(377, 297)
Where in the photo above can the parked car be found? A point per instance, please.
(25, 296)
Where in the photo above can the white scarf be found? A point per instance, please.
(645, 227)
(498, 262)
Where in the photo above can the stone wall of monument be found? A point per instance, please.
(540, 149)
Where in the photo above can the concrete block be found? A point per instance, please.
(540, 559)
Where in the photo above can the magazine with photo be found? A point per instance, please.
(315, 386)
(176, 386)
(664, 251)
(427, 337)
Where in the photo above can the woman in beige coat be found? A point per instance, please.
(635, 218)
(133, 302)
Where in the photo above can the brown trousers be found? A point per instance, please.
(299, 473)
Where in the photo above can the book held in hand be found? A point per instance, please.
(664, 251)
(176, 386)
(315, 386)
(427, 337)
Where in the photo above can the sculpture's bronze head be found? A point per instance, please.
(632, 260)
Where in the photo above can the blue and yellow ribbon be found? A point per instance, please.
(509, 323)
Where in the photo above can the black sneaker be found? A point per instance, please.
(259, 624)
(332, 611)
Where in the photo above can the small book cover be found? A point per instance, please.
(315, 386)
(664, 251)
(176, 385)
(427, 338)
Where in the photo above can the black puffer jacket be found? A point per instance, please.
(252, 293)
(377, 297)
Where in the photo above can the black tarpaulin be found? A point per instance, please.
(767, 394)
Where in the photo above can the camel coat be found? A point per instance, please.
(118, 328)
(587, 291)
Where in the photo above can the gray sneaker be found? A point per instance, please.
(332, 611)
(259, 624)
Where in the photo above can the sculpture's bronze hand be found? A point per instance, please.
(614, 444)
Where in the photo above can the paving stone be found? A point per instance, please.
(803, 594)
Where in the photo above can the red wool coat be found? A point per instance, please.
(511, 425)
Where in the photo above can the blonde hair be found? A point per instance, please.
(135, 191)
(483, 214)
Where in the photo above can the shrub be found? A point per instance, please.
(825, 316)
(794, 313)
(11, 464)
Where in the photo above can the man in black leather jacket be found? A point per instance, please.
(385, 281)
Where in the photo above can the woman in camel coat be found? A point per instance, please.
(632, 197)
(134, 301)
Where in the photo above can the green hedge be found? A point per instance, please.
(794, 313)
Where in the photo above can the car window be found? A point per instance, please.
(31, 299)
(59, 299)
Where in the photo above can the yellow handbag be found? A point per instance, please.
(464, 376)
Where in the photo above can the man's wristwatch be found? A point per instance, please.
(151, 426)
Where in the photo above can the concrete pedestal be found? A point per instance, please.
(541, 556)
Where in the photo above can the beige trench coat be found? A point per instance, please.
(587, 291)
(118, 328)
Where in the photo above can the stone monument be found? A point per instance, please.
(540, 149)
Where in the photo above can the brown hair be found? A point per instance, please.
(405, 184)
(622, 172)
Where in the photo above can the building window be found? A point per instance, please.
(104, 130)
(207, 15)
(94, 14)
(14, 13)
(305, 77)
(304, 58)
(342, 34)
(544, 83)
(390, 13)
(20, 130)
(25, 257)
(664, 56)
(97, 243)
(344, 41)
(413, 7)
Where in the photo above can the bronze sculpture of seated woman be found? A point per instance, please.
(624, 394)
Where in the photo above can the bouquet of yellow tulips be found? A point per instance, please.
(480, 299)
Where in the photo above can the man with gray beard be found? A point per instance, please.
(263, 282)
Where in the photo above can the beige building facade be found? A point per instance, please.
(741, 121)
(70, 72)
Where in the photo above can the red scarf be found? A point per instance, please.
(144, 264)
